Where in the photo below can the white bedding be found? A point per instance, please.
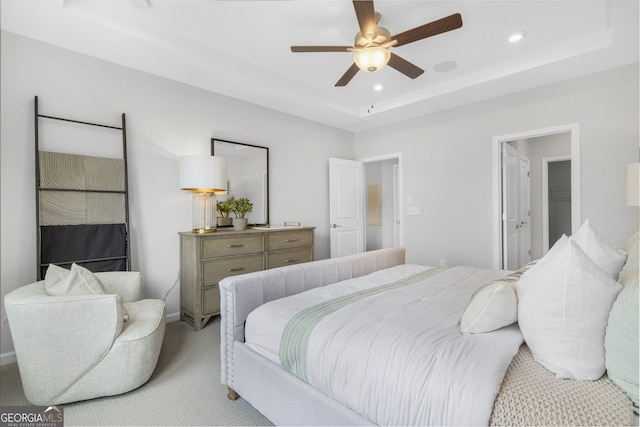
(398, 357)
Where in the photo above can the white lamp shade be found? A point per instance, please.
(206, 174)
(633, 184)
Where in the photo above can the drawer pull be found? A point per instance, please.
(291, 260)
(290, 240)
(232, 270)
(235, 246)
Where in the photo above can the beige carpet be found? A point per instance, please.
(184, 390)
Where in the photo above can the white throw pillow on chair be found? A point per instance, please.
(59, 281)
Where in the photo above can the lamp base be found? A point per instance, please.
(204, 213)
(203, 230)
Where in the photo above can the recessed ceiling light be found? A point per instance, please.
(517, 36)
(378, 87)
(141, 4)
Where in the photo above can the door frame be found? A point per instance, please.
(397, 205)
(524, 232)
(574, 130)
(545, 197)
(509, 228)
(399, 197)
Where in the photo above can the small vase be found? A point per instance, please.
(240, 223)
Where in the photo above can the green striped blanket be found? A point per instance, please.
(295, 338)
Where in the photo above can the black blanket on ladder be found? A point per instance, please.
(97, 247)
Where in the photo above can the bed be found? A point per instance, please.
(433, 375)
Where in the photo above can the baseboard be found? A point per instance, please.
(6, 358)
(173, 317)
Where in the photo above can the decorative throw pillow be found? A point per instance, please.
(54, 275)
(493, 306)
(79, 281)
(563, 306)
(621, 339)
(600, 252)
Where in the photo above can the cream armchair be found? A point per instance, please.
(79, 347)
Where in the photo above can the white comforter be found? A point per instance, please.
(398, 357)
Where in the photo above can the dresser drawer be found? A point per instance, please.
(211, 300)
(289, 239)
(216, 270)
(282, 258)
(235, 245)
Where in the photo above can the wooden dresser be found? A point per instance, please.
(205, 259)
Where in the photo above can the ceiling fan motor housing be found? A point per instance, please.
(383, 36)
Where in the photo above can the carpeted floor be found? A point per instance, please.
(184, 390)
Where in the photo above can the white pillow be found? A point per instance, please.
(54, 275)
(493, 306)
(79, 281)
(600, 252)
(563, 307)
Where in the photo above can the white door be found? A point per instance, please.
(346, 207)
(524, 224)
(509, 207)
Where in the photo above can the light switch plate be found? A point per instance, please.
(413, 210)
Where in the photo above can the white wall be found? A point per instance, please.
(165, 120)
(448, 162)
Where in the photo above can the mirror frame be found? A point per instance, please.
(213, 153)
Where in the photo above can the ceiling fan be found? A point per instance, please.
(372, 43)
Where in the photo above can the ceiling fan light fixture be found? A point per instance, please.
(372, 58)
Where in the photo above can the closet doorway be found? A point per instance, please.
(556, 199)
(543, 147)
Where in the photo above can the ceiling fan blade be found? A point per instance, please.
(321, 48)
(440, 26)
(366, 15)
(404, 66)
(346, 77)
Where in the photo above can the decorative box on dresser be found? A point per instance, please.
(205, 259)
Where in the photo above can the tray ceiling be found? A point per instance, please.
(242, 48)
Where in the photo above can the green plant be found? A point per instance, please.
(240, 207)
(223, 208)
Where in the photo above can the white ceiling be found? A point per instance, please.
(241, 48)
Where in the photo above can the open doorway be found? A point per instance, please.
(382, 182)
(539, 146)
(364, 205)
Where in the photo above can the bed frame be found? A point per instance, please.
(279, 395)
(286, 400)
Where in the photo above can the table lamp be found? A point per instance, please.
(205, 176)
